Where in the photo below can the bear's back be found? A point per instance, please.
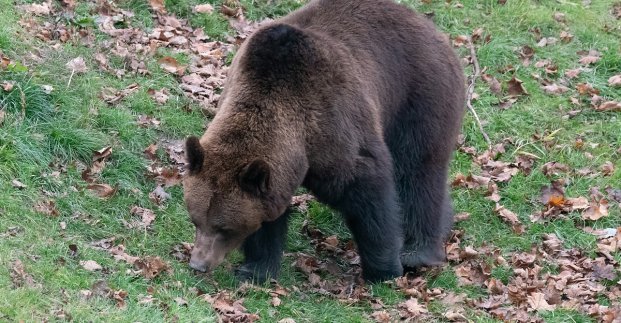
(398, 50)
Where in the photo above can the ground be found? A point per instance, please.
(95, 98)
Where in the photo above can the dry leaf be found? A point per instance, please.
(77, 65)
(7, 86)
(510, 218)
(275, 301)
(151, 266)
(586, 89)
(494, 84)
(596, 210)
(573, 73)
(42, 9)
(18, 185)
(158, 196)
(460, 40)
(412, 308)
(203, 8)
(615, 81)
(515, 87)
(589, 59)
(609, 106)
(537, 302)
(102, 154)
(157, 5)
(566, 37)
(608, 168)
(170, 65)
(160, 96)
(102, 190)
(90, 265)
(381, 317)
(555, 89)
(526, 53)
(47, 207)
(147, 217)
(19, 276)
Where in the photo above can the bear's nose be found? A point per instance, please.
(197, 265)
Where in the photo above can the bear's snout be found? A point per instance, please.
(198, 265)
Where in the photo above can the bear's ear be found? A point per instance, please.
(195, 154)
(254, 178)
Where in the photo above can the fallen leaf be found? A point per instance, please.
(596, 210)
(47, 207)
(275, 301)
(608, 168)
(151, 152)
(102, 190)
(7, 86)
(160, 96)
(180, 301)
(118, 252)
(90, 265)
(579, 203)
(412, 308)
(42, 9)
(615, 81)
(147, 217)
(494, 84)
(229, 310)
(589, 59)
(18, 185)
(555, 89)
(573, 73)
(609, 106)
(510, 218)
(515, 87)
(102, 154)
(158, 196)
(114, 96)
(151, 267)
(19, 276)
(554, 168)
(566, 37)
(586, 89)
(460, 40)
(203, 8)
(169, 64)
(157, 5)
(381, 316)
(537, 302)
(552, 196)
(526, 53)
(77, 65)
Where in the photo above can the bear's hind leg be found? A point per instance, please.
(372, 214)
(428, 216)
(263, 251)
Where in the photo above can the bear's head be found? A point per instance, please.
(227, 201)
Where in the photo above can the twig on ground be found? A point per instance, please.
(70, 77)
(472, 82)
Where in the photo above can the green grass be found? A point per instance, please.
(58, 132)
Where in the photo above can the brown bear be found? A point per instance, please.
(360, 102)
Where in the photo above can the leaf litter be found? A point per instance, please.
(529, 290)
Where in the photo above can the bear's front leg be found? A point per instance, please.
(263, 251)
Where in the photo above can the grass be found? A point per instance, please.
(47, 139)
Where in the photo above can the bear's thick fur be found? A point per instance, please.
(360, 101)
